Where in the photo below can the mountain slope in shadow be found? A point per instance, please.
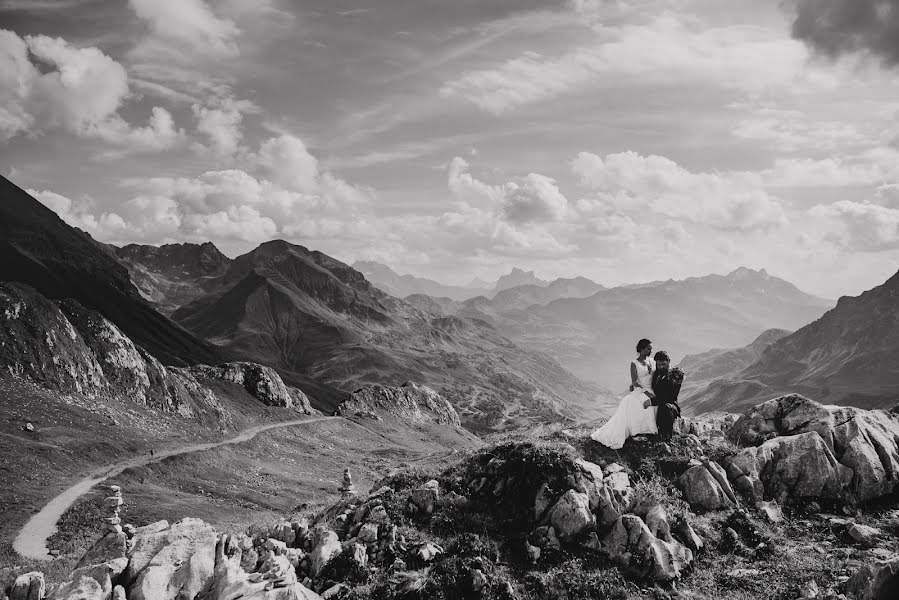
(59, 261)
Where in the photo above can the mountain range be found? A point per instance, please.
(848, 356)
(592, 331)
(313, 317)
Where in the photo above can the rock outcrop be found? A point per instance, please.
(800, 448)
(263, 383)
(67, 347)
(705, 486)
(410, 401)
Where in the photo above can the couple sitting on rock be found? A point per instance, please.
(651, 406)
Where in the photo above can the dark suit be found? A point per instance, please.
(666, 392)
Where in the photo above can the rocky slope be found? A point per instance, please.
(172, 275)
(559, 518)
(848, 356)
(315, 318)
(410, 401)
(721, 362)
(68, 348)
(39, 249)
(515, 278)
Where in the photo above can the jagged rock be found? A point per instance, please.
(168, 562)
(656, 520)
(276, 581)
(797, 466)
(118, 593)
(261, 382)
(864, 442)
(327, 546)
(425, 496)
(533, 552)
(94, 581)
(368, 533)
(542, 501)
(28, 586)
(633, 546)
(409, 402)
(702, 487)
(686, 534)
(476, 581)
(571, 515)
(875, 581)
(284, 532)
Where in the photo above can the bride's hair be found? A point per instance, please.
(642, 344)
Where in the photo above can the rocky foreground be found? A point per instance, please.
(790, 500)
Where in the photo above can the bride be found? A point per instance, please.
(631, 418)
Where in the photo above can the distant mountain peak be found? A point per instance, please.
(746, 273)
(517, 277)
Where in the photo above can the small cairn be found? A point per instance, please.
(347, 489)
(112, 522)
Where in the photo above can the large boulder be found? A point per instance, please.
(705, 486)
(632, 545)
(171, 561)
(327, 547)
(95, 572)
(798, 466)
(28, 586)
(863, 443)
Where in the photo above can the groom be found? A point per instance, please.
(666, 392)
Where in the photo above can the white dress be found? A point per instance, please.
(630, 418)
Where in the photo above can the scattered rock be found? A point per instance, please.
(428, 551)
(864, 534)
(327, 546)
(809, 589)
(410, 402)
(28, 427)
(29, 586)
(771, 510)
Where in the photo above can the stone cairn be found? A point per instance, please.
(112, 522)
(347, 488)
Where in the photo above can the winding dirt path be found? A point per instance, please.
(32, 540)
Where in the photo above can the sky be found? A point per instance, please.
(620, 140)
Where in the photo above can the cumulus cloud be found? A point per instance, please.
(187, 23)
(630, 181)
(77, 89)
(220, 124)
(231, 205)
(665, 50)
(862, 226)
(836, 27)
(537, 198)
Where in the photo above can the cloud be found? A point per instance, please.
(632, 182)
(863, 226)
(17, 76)
(230, 205)
(837, 27)
(221, 123)
(189, 23)
(83, 88)
(667, 50)
(77, 89)
(287, 161)
(536, 199)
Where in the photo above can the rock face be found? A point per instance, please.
(801, 448)
(261, 382)
(409, 401)
(66, 347)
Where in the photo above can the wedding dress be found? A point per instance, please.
(630, 418)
